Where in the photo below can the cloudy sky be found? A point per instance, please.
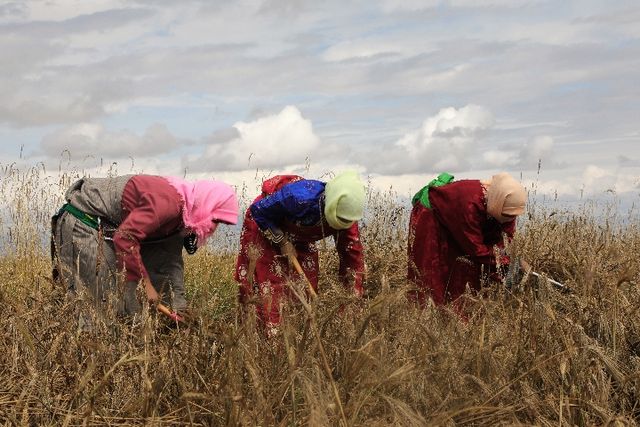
(399, 89)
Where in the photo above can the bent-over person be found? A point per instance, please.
(285, 221)
(457, 235)
(134, 228)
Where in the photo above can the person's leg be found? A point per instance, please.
(417, 274)
(270, 275)
(431, 257)
(260, 272)
(165, 266)
(87, 267)
(251, 248)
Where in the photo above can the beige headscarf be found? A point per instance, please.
(505, 195)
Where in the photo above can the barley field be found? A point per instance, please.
(528, 355)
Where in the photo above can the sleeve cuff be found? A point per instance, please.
(275, 237)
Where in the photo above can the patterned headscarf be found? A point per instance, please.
(344, 200)
(505, 195)
(203, 202)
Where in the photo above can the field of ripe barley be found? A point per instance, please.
(528, 355)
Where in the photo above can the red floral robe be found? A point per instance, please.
(269, 271)
(454, 244)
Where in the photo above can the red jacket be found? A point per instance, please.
(455, 243)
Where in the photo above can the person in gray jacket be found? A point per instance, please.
(116, 234)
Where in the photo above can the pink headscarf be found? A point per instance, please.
(505, 195)
(205, 201)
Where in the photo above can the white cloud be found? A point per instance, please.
(367, 73)
(408, 5)
(93, 139)
(13, 11)
(448, 125)
(585, 182)
(552, 187)
(498, 158)
(537, 151)
(445, 140)
(598, 180)
(364, 48)
(626, 161)
(273, 141)
(67, 9)
(492, 3)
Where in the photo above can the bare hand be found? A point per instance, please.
(524, 265)
(152, 294)
(358, 291)
(287, 249)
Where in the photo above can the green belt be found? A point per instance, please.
(90, 220)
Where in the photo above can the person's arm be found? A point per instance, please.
(292, 202)
(268, 212)
(151, 213)
(351, 256)
(461, 214)
(506, 236)
(471, 237)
